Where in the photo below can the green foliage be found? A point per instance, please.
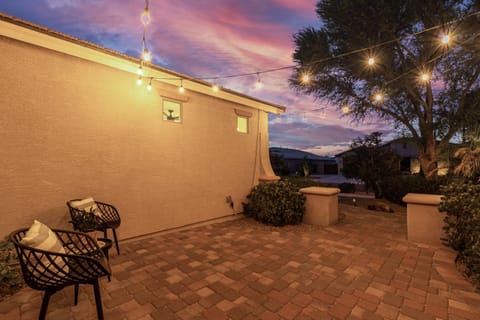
(346, 187)
(396, 187)
(370, 162)
(334, 54)
(302, 182)
(461, 203)
(10, 279)
(277, 204)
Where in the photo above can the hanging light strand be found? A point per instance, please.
(145, 18)
(305, 76)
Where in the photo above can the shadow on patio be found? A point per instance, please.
(362, 268)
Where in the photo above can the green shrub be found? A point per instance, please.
(277, 204)
(461, 203)
(346, 187)
(302, 182)
(10, 278)
(396, 187)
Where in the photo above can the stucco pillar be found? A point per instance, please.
(266, 171)
(424, 220)
(321, 207)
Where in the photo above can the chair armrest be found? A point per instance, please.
(85, 257)
(78, 243)
(109, 212)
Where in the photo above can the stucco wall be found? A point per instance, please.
(73, 128)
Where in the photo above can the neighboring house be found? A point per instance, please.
(406, 149)
(75, 124)
(296, 159)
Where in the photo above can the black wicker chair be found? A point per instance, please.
(83, 263)
(108, 219)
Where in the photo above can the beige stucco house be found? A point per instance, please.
(74, 123)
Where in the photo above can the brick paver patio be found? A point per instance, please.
(362, 268)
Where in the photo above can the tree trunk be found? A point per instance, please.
(428, 149)
(428, 158)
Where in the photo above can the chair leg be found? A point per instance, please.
(46, 299)
(75, 300)
(105, 233)
(98, 299)
(116, 241)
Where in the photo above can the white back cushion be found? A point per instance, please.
(42, 237)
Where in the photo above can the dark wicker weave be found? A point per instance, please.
(83, 263)
(110, 219)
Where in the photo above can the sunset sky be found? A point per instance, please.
(214, 38)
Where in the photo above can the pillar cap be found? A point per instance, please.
(323, 191)
(422, 198)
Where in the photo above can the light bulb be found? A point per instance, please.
(147, 56)
(140, 71)
(425, 77)
(346, 109)
(181, 89)
(215, 88)
(258, 83)
(378, 97)
(149, 87)
(305, 78)
(371, 61)
(139, 80)
(146, 17)
(446, 39)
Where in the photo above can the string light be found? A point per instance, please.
(181, 89)
(258, 84)
(149, 87)
(145, 17)
(446, 39)
(424, 77)
(378, 97)
(305, 78)
(147, 56)
(346, 109)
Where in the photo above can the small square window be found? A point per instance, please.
(172, 111)
(242, 124)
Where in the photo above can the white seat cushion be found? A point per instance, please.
(87, 204)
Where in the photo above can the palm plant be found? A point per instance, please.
(469, 166)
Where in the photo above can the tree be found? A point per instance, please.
(370, 162)
(402, 39)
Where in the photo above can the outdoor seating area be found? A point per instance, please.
(361, 268)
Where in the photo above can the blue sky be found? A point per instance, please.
(214, 38)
